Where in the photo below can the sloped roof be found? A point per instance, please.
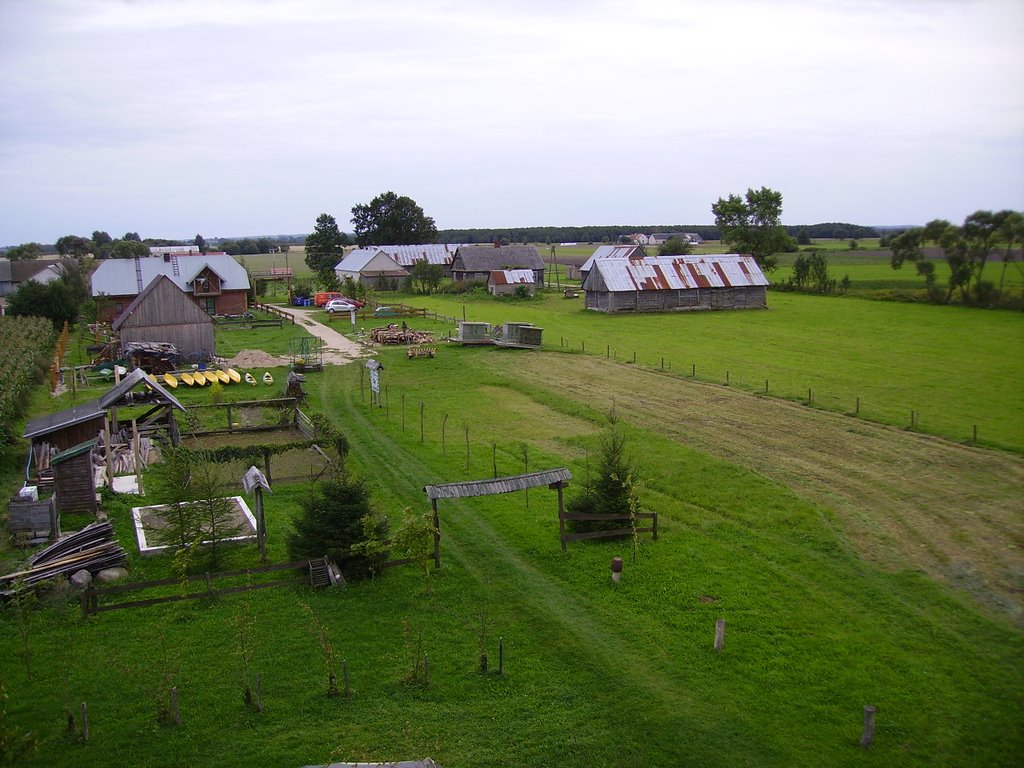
(53, 422)
(513, 277)
(433, 253)
(120, 277)
(718, 270)
(613, 252)
(129, 382)
(370, 260)
(487, 258)
(497, 485)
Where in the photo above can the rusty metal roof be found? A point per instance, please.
(729, 270)
(497, 485)
(512, 276)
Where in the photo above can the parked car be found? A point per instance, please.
(384, 312)
(357, 302)
(339, 305)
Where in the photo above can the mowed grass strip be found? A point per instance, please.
(955, 368)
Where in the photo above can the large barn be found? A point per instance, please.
(372, 267)
(165, 313)
(676, 283)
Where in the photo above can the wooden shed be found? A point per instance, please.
(675, 283)
(163, 312)
(74, 479)
(504, 282)
(476, 262)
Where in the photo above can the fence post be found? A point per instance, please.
(85, 722)
(868, 736)
(727, 378)
(344, 674)
(421, 422)
(693, 370)
(719, 634)
(175, 712)
(501, 657)
(857, 411)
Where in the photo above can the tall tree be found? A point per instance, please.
(392, 220)
(73, 245)
(200, 242)
(325, 248)
(966, 250)
(128, 249)
(751, 224)
(102, 243)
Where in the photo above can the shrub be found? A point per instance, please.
(331, 523)
(613, 491)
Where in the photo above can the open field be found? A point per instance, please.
(954, 367)
(854, 564)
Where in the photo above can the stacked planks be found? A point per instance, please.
(395, 335)
(92, 548)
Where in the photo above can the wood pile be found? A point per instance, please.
(92, 548)
(393, 334)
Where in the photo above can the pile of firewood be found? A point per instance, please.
(92, 548)
(392, 334)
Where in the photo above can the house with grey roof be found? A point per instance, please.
(217, 283)
(476, 262)
(371, 266)
(432, 253)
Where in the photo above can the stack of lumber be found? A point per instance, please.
(392, 334)
(92, 548)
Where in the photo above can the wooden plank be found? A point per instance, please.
(605, 516)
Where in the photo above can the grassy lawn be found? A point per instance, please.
(596, 674)
(963, 367)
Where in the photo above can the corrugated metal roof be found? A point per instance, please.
(613, 252)
(718, 270)
(117, 277)
(512, 277)
(497, 485)
(407, 255)
(54, 422)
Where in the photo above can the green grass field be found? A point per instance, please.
(963, 366)
(820, 621)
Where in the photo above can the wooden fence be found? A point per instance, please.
(277, 312)
(609, 534)
(91, 596)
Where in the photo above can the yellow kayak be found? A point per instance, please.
(222, 377)
(187, 378)
(234, 375)
(200, 378)
(170, 380)
(268, 379)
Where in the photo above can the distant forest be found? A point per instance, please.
(612, 234)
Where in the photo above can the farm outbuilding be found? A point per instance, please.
(74, 478)
(611, 252)
(372, 267)
(504, 282)
(676, 283)
(163, 313)
(476, 262)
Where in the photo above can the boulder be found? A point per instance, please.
(81, 578)
(111, 574)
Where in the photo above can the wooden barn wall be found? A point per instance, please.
(192, 340)
(71, 436)
(747, 297)
(75, 484)
(166, 305)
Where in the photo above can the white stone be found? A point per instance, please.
(81, 578)
(111, 574)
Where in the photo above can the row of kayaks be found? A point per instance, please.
(202, 378)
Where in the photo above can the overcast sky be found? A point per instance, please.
(248, 117)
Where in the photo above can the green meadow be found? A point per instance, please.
(819, 621)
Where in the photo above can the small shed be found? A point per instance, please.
(372, 267)
(74, 479)
(33, 520)
(163, 312)
(504, 282)
(474, 333)
(522, 335)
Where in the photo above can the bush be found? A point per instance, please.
(613, 491)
